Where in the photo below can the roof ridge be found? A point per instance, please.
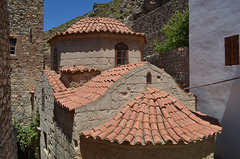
(97, 85)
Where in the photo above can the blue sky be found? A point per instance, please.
(57, 12)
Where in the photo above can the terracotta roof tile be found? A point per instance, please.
(80, 69)
(94, 89)
(98, 25)
(54, 81)
(156, 124)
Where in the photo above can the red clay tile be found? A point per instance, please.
(139, 117)
(120, 138)
(54, 81)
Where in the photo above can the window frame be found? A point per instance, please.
(231, 50)
(121, 45)
(13, 46)
(147, 78)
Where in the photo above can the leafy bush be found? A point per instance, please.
(28, 137)
(176, 32)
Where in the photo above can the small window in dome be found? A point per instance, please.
(149, 78)
(121, 56)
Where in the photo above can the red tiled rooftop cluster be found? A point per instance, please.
(54, 81)
(94, 89)
(155, 117)
(80, 69)
(97, 25)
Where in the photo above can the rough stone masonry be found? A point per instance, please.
(26, 30)
(8, 147)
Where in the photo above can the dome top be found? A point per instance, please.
(98, 25)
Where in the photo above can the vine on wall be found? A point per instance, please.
(28, 136)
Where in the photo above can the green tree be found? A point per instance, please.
(176, 32)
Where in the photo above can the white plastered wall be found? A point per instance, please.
(210, 23)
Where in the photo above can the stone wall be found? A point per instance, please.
(175, 62)
(26, 26)
(92, 149)
(8, 147)
(152, 22)
(56, 124)
(97, 51)
(77, 79)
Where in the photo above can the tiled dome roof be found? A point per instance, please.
(97, 25)
(156, 117)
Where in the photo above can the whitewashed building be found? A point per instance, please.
(214, 56)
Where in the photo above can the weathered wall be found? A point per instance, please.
(152, 22)
(97, 52)
(27, 64)
(55, 122)
(77, 79)
(175, 62)
(92, 149)
(8, 147)
(210, 23)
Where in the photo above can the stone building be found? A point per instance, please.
(26, 52)
(96, 42)
(71, 113)
(8, 146)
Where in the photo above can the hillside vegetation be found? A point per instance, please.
(122, 10)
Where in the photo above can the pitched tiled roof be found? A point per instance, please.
(155, 117)
(54, 81)
(94, 89)
(97, 25)
(79, 69)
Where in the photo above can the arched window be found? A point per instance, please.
(55, 60)
(149, 78)
(121, 54)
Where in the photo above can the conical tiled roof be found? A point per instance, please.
(98, 25)
(156, 117)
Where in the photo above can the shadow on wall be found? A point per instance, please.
(227, 143)
(64, 120)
